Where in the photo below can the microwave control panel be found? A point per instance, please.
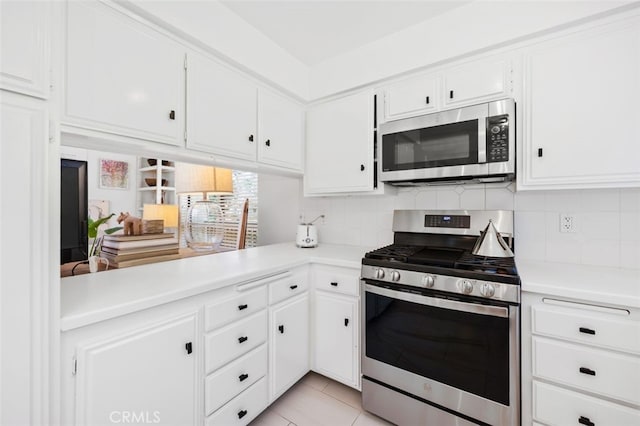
(498, 138)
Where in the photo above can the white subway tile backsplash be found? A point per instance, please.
(447, 199)
(562, 201)
(472, 199)
(529, 201)
(405, 200)
(600, 200)
(562, 251)
(530, 227)
(426, 199)
(630, 254)
(499, 199)
(600, 253)
(630, 200)
(600, 225)
(630, 226)
(530, 250)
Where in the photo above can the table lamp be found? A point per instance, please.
(204, 222)
(166, 212)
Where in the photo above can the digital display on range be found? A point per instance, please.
(447, 221)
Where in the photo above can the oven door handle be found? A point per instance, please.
(476, 308)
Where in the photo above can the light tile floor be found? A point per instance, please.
(318, 401)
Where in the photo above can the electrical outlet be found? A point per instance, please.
(567, 223)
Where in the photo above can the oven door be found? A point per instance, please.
(442, 145)
(457, 354)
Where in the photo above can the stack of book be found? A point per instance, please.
(133, 250)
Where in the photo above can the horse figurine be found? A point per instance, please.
(132, 225)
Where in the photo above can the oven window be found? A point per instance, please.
(465, 350)
(446, 145)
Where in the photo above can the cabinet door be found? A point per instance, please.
(24, 261)
(336, 337)
(222, 109)
(148, 373)
(580, 112)
(339, 151)
(24, 51)
(289, 344)
(121, 76)
(280, 131)
(476, 82)
(411, 97)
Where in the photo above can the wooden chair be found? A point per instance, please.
(242, 226)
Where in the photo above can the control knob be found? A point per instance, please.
(465, 286)
(379, 273)
(428, 281)
(495, 129)
(487, 290)
(395, 276)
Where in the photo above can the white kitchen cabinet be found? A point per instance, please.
(339, 151)
(24, 47)
(149, 372)
(121, 76)
(476, 82)
(221, 105)
(580, 111)
(413, 96)
(582, 370)
(336, 337)
(25, 261)
(280, 131)
(289, 331)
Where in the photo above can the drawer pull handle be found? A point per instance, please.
(293, 287)
(241, 307)
(588, 371)
(242, 413)
(189, 348)
(243, 377)
(346, 322)
(587, 331)
(586, 421)
(242, 339)
(281, 329)
(335, 284)
(172, 115)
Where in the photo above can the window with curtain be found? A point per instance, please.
(245, 186)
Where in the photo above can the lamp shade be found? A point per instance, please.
(166, 212)
(193, 178)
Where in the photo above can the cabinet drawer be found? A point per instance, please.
(229, 381)
(289, 286)
(556, 406)
(234, 340)
(605, 373)
(335, 278)
(234, 308)
(609, 329)
(244, 408)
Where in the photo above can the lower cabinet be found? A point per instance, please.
(289, 332)
(147, 375)
(336, 337)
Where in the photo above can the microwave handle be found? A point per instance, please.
(482, 140)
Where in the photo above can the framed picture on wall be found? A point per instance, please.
(114, 174)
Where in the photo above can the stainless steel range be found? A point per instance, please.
(441, 341)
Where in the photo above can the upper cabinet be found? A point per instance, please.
(228, 114)
(451, 87)
(222, 109)
(24, 47)
(122, 77)
(580, 111)
(280, 131)
(340, 141)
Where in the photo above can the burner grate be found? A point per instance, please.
(394, 253)
(489, 265)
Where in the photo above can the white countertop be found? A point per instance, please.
(616, 286)
(89, 298)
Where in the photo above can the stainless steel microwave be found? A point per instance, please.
(474, 143)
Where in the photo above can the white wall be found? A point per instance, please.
(211, 24)
(120, 200)
(461, 31)
(278, 208)
(608, 221)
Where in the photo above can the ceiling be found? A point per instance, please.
(314, 30)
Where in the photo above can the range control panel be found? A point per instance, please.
(498, 138)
